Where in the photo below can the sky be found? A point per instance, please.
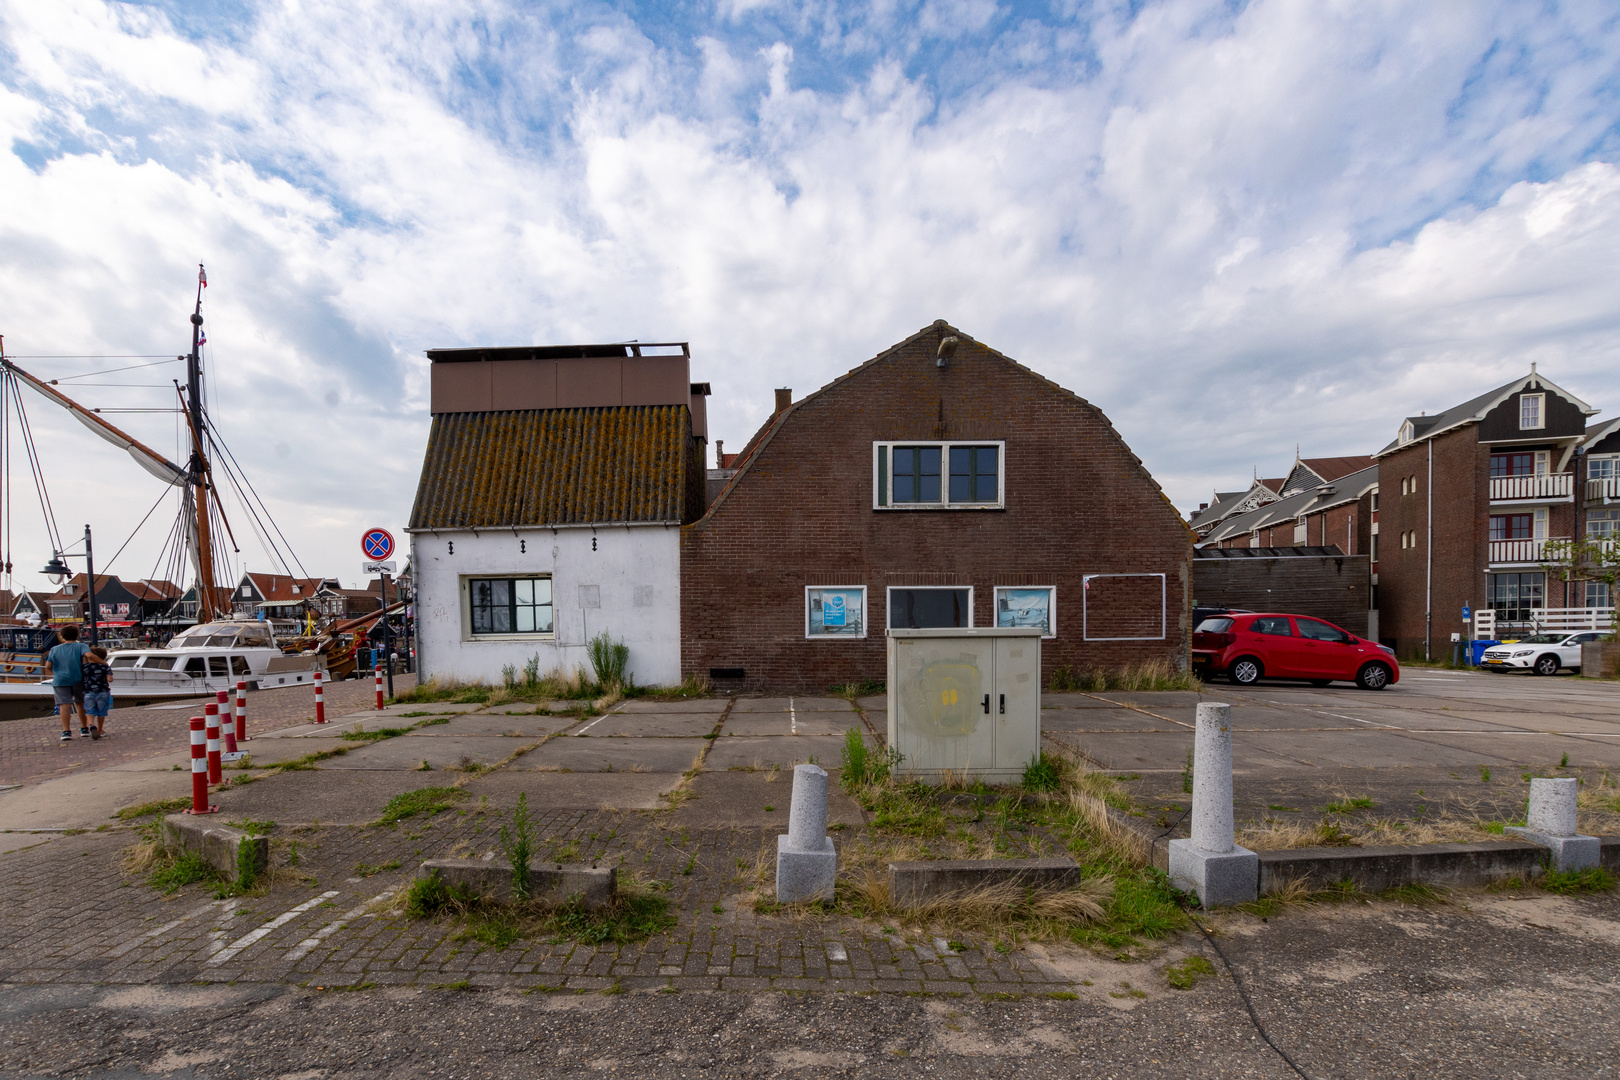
(1237, 228)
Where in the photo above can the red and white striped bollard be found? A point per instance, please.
(211, 716)
(378, 672)
(199, 770)
(227, 730)
(320, 699)
(241, 711)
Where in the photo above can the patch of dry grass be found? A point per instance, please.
(1144, 675)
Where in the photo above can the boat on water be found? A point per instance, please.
(210, 656)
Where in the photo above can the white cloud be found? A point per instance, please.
(1231, 230)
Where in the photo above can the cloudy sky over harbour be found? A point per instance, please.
(1235, 227)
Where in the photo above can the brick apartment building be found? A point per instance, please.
(938, 484)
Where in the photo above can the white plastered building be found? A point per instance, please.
(553, 489)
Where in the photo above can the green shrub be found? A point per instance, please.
(187, 869)
(609, 659)
(518, 843)
(1041, 774)
(1567, 882)
(856, 760)
(431, 895)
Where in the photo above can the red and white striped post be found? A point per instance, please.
(199, 770)
(378, 672)
(211, 716)
(241, 711)
(320, 699)
(227, 730)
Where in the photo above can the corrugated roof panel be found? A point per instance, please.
(554, 467)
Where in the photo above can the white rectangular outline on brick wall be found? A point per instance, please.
(1051, 607)
(866, 613)
(1164, 604)
(922, 588)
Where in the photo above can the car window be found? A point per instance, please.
(1275, 625)
(1217, 625)
(1320, 631)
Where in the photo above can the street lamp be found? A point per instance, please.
(58, 572)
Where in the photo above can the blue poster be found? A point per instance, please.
(832, 609)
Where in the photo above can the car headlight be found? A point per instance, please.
(1524, 652)
(1387, 649)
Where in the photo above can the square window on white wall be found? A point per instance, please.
(1028, 606)
(835, 612)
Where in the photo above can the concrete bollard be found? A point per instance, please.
(1550, 822)
(806, 864)
(241, 711)
(1210, 863)
(320, 699)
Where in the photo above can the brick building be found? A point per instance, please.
(1470, 497)
(938, 484)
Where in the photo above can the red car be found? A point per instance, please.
(1246, 647)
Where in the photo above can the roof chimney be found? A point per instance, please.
(784, 398)
(719, 453)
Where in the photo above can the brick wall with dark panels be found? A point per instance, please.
(1329, 587)
(1077, 503)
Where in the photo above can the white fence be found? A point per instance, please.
(1552, 486)
(1545, 620)
(1520, 551)
(1607, 487)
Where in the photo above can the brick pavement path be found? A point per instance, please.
(31, 749)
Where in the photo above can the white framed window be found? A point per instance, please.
(923, 607)
(1406, 432)
(1372, 504)
(1299, 530)
(1028, 605)
(1372, 547)
(506, 607)
(1606, 467)
(835, 611)
(1532, 412)
(1598, 595)
(1602, 524)
(1123, 607)
(939, 475)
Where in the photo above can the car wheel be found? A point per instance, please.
(1547, 665)
(1372, 677)
(1245, 671)
(1320, 682)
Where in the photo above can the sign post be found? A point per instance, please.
(378, 545)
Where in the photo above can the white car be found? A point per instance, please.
(1543, 654)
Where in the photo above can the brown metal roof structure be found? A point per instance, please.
(622, 464)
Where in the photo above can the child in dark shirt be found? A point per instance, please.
(97, 690)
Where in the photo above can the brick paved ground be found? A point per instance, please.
(31, 749)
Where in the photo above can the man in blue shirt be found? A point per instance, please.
(65, 665)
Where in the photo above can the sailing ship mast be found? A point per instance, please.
(202, 552)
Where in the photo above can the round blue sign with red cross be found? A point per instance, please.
(378, 544)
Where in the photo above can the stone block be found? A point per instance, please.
(1219, 878)
(1566, 852)
(912, 884)
(1552, 806)
(221, 845)
(805, 875)
(550, 883)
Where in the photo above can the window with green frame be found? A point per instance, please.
(947, 475)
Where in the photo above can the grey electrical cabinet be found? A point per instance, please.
(965, 701)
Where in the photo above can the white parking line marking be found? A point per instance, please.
(793, 719)
(592, 724)
(281, 920)
(303, 948)
(216, 938)
(135, 942)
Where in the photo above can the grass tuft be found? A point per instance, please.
(1145, 675)
(1185, 975)
(428, 800)
(1571, 882)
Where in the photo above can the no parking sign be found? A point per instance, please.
(377, 544)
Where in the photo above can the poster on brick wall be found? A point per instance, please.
(835, 612)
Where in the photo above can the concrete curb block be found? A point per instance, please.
(1374, 869)
(558, 884)
(912, 884)
(220, 844)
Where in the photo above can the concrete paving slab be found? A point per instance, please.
(407, 753)
(261, 751)
(741, 752)
(87, 800)
(1075, 701)
(643, 725)
(332, 797)
(738, 800)
(799, 704)
(574, 791)
(1102, 720)
(1536, 751)
(712, 706)
(529, 727)
(784, 723)
(592, 755)
(1531, 720)
(1132, 752)
(1371, 749)
(873, 704)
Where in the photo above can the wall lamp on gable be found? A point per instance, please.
(947, 349)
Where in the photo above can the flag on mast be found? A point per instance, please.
(202, 277)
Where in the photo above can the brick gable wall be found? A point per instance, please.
(1077, 503)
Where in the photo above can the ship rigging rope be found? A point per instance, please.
(238, 479)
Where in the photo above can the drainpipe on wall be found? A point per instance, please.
(1428, 570)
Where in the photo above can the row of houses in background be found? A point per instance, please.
(1506, 506)
(156, 609)
(564, 494)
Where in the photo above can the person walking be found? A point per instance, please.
(97, 690)
(65, 666)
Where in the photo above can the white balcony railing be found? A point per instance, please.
(1551, 486)
(1545, 620)
(1521, 549)
(1607, 487)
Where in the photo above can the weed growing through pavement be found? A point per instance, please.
(638, 912)
(1146, 675)
(428, 800)
(1185, 975)
(518, 844)
(157, 807)
(1570, 882)
(1484, 774)
(1345, 805)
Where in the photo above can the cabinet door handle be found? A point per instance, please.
(987, 704)
(1004, 704)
